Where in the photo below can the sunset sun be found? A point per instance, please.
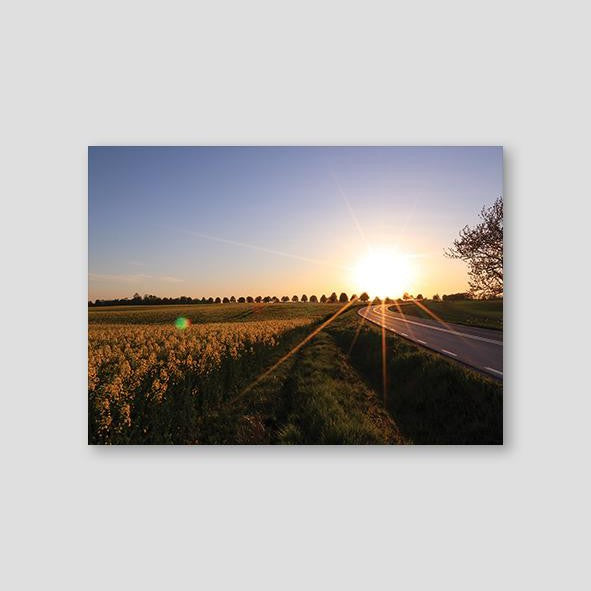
(384, 273)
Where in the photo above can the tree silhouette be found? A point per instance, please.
(323, 299)
(482, 248)
(313, 299)
(294, 298)
(436, 297)
(285, 299)
(226, 301)
(250, 299)
(420, 296)
(333, 297)
(304, 298)
(233, 300)
(364, 297)
(241, 300)
(258, 299)
(343, 298)
(218, 300)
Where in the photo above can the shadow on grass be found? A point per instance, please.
(432, 400)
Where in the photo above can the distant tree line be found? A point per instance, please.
(343, 298)
(152, 300)
(407, 297)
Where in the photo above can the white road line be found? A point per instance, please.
(422, 342)
(403, 334)
(449, 353)
(455, 332)
(495, 370)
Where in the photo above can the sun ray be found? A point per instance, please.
(384, 366)
(350, 209)
(292, 351)
(362, 321)
(422, 306)
(408, 326)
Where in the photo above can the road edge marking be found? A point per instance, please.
(404, 319)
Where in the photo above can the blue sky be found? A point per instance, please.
(209, 221)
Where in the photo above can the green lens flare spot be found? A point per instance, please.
(182, 323)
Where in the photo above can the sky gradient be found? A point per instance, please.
(223, 221)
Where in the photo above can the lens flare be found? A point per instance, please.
(181, 323)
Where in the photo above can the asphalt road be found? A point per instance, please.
(479, 348)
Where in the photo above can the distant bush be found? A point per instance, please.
(457, 296)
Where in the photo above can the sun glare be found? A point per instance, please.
(384, 273)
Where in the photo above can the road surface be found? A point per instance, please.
(479, 348)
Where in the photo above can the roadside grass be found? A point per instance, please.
(433, 400)
(326, 402)
(206, 313)
(479, 313)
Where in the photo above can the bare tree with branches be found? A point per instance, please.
(482, 248)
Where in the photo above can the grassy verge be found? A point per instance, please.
(432, 400)
(325, 402)
(483, 314)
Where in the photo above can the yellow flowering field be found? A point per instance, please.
(154, 383)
